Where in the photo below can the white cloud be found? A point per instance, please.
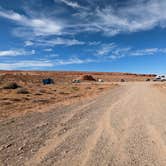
(132, 17)
(16, 52)
(33, 64)
(28, 43)
(71, 3)
(39, 64)
(74, 60)
(123, 52)
(59, 41)
(94, 43)
(12, 15)
(48, 49)
(53, 55)
(113, 51)
(105, 49)
(39, 26)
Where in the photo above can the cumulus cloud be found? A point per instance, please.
(17, 52)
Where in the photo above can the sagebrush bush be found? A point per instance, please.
(11, 85)
(75, 88)
(22, 91)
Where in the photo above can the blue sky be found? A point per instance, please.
(89, 35)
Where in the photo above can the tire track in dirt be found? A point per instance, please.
(53, 142)
(126, 127)
(110, 134)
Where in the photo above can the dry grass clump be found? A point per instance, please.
(11, 85)
(22, 91)
(74, 88)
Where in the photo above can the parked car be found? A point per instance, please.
(100, 80)
(48, 81)
(163, 79)
(160, 78)
(76, 81)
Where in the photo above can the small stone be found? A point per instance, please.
(8, 145)
(1, 148)
(21, 148)
(66, 151)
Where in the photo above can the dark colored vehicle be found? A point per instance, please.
(48, 81)
(148, 79)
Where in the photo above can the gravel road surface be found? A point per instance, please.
(124, 127)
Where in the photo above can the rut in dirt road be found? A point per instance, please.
(125, 127)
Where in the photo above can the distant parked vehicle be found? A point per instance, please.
(100, 80)
(48, 81)
(163, 79)
(76, 81)
(160, 78)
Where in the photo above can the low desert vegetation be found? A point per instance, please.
(122, 80)
(88, 78)
(11, 85)
(24, 92)
(19, 97)
(75, 88)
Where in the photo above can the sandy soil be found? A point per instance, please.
(61, 77)
(40, 97)
(63, 92)
(125, 127)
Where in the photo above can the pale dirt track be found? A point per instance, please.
(125, 127)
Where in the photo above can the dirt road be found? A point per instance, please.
(125, 127)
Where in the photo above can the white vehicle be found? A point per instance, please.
(100, 80)
(160, 78)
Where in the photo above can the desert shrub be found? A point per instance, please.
(42, 91)
(75, 88)
(88, 87)
(38, 94)
(22, 91)
(88, 78)
(11, 85)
